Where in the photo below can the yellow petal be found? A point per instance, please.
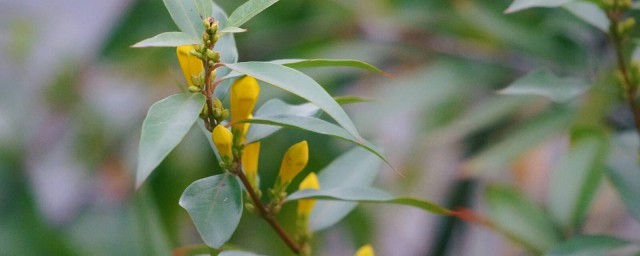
(244, 95)
(365, 250)
(306, 205)
(294, 160)
(250, 156)
(223, 139)
(190, 65)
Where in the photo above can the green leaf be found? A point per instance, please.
(354, 168)
(168, 39)
(204, 7)
(624, 172)
(184, 13)
(247, 10)
(518, 141)
(520, 219)
(519, 5)
(164, 127)
(544, 83)
(587, 245)
(299, 84)
(233, 30)
(226, 45)
(277, 107)
(215, 206)
(314, 125)
(366, 195)
(314, 63)
(590, 13)
(237, 253)
(344, 100)
(575, 179)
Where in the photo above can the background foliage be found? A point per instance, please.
(74, 94)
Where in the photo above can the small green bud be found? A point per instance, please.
(198, 48)
(194, 89)
(206, 37)
(217, 103)
(250, 208)
(206, 24)
(210, 54)
(217, 113)
(211, 63)
(225, 114)
(276, 209)
(214, 73)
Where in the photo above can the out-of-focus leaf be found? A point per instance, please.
(315, 125)
(247, 10)
(518, 141)
(576, 178)
(168, 39)
(590, 13)
(204, 7)
(185, 14)
(233, 30)
(226, 45)
(544, 83)
(314, 63)
(354, 168)
(215, 206)
(519, 5)
(366, 195)
(344, 100)
(237, 253)
(164, 127)
(624, 172)
(277, 107)
(520, 219)
(299, 84)
(587, 245)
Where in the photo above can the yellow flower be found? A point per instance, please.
(250, 162)
(294, 160)
(365, 250)
(306, 205)
(223, 139)
(244, 95)
(190, 65)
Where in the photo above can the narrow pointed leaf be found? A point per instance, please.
(315, 63)
(299, 84)
(185, 14)
(623, 171)
(542, 82)
(366, 195)
(204, 7)
(520, 219)
(589, 13)
(587, 245)
(354, 168)
(168, 39)
(233, 30)
(276, 107)
(247, 10)
(315, 125)
(164, 127)
(519, 5)
(215, 206)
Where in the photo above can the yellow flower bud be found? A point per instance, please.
(250, 156)
(306, 205)
(190, 65)
(294, 160)
(244, 95)
(223, 139)
(365, 250)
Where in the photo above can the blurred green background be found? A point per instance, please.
(73, 96)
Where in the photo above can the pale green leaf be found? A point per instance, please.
(575, 179)
(168, 39)
(277, 107)
(164, 127)
(314, 125)
(519, 5)
(587, 245)
(590, 13)
(247, 10)
(299, 84)
(215, 206)
(520, 219)
(314, 63)
(204, 7)
(345, 100)
(517, 141)
(185, 14)
(542, 82)
(233, 30)
(354, 168)
(366, 195)
(624, 171)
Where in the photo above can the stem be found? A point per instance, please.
(208, 92)
(630, 89)
(293, 245)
